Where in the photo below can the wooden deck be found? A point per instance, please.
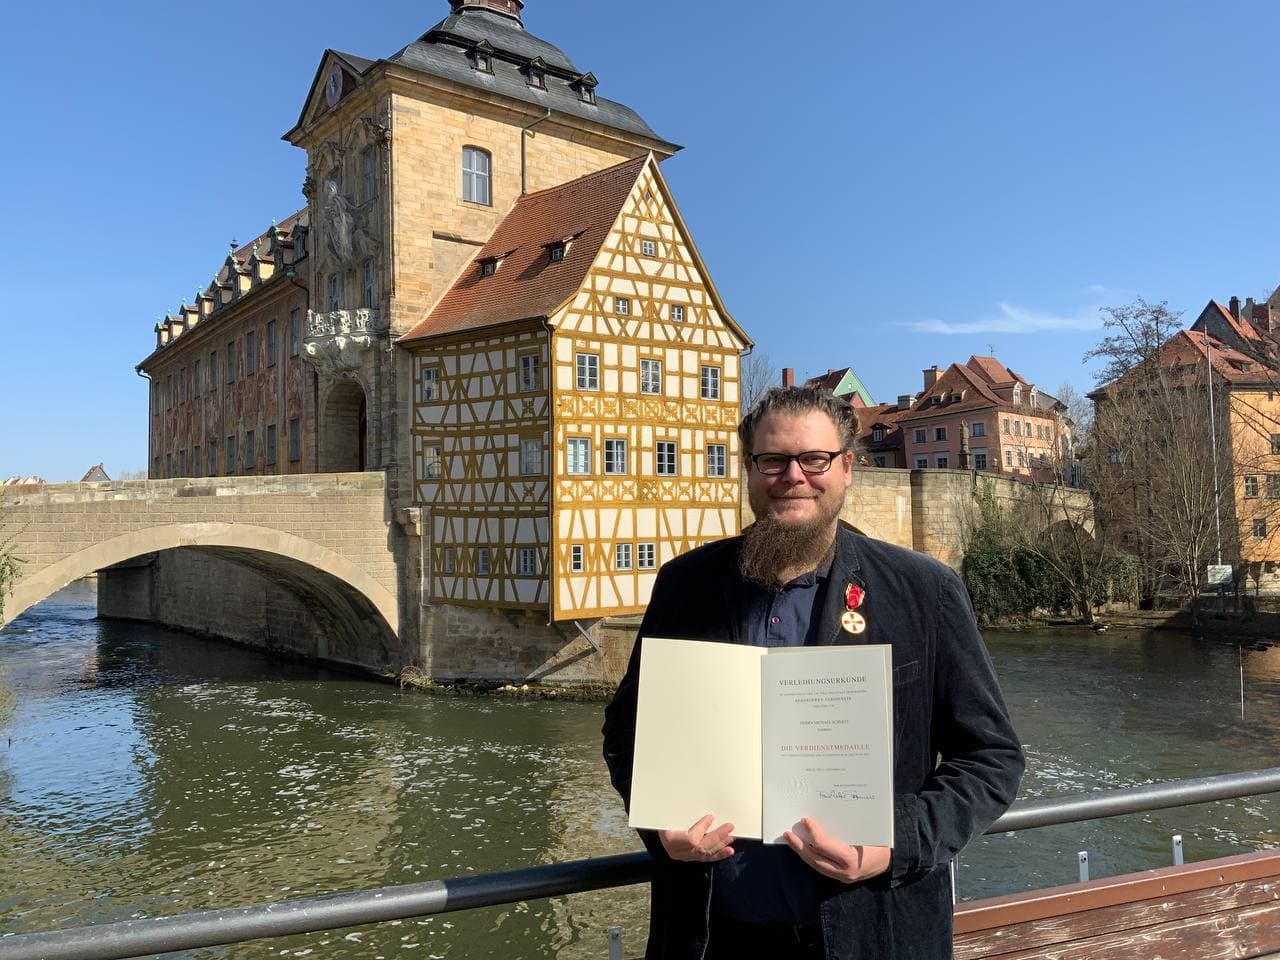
(1227, 909)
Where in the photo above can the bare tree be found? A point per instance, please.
(9, 562)
(757, 375)
(1180, 451)
(1080, 414)
(139, 474)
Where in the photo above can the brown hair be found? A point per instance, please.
(796, 402)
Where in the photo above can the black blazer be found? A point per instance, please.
(957, 761)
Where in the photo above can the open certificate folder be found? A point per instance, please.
(762, 737)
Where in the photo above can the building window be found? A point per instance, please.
(250, 451)
(877, 434)
(622, 556)
(1008, 458)
(1273, 486)
(648, 248)
(918, 433)
(555, 252)
(367, 292)
(295, 332)
(476, 167)
(578, 455)
(1026, 428)
(271, 343)
(536, 77)
(615, 456)
(717, 460)
(980, 461)
(430, 384)
(195, 461)
(1004, 425)
(588, 371)
(232, 454)
(940, 433)
(335, 292)
(1017, 393)
(1250, 487)
(168, 465)
(530, 371)
(271, 444)
(213, 369)
(1275, 443)
(213, 458)
(943, 461)
(576, 560)
(650, 376)
(482, 561)
(197, 379)
(250, 353)
(978, 429)
(1017, 428)
(677, 313)
(646, 555)
(1022, 459)
(530, 457)
(666, 457)
(710, 380)
(446, 560)
(432, 468)
(367, 182)
(879, 460)
(1260, 528)
(622, 305)
(182, 463)
(922, 463)
(528, 562)
(182, 385)
(295, 441)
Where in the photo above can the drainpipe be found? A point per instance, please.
(524, 186)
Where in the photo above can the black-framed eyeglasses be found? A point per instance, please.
(811, 461)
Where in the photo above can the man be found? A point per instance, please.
(798, 576)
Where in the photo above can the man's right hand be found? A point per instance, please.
(699, 844)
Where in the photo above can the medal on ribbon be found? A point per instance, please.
(851, 621)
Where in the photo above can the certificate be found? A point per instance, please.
(762, 737)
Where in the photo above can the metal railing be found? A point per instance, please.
(207, 928)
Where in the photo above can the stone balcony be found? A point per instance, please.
(337, 341)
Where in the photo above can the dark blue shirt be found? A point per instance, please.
(765, 882)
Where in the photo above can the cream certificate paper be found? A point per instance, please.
(762, 737)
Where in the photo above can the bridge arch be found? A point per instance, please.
(344, 596)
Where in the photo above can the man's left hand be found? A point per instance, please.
(832, 858)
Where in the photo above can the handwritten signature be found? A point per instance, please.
(845, 795)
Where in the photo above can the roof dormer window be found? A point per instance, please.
(586, 87)
(1017, 393)
(556, 251)
(535, 73)
(489, 266)
(482, 57)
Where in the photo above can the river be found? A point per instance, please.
(146, 772)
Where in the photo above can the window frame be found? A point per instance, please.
(612, 446)
(577, 558)
(529, 569)
(666, 453)
(649, 368)
(978, 428)
(273, 353)
(622, 306)
(295, 440)
(1251, 487)
(433, 461)
(677, 313)
(922, 463)
(273, 437)
(717, 460)
(587, 371)
(709, 381)
(533, 444)
(484, 567)
(940, 434)
(530, 372)
(474, 178)
(919, 434)
(622, 556)
(429, 384)
(579, 443)
(647, 555)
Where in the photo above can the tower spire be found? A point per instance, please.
(508, 8)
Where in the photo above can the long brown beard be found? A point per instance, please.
(770, 548)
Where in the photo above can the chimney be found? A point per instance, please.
(508, 8)
(931, 376)
(904, 401)
(788, 377)
(1235, 307)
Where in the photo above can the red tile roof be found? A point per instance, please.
(527, 284)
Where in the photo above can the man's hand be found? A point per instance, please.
(699, 844)
(835, 859)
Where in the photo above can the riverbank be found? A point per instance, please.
(1257, 627)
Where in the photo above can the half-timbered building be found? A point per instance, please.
(577, 399)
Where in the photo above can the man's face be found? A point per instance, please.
(793, 496)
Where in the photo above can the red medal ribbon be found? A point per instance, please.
(853, 595)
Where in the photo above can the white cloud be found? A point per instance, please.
(1011, 318)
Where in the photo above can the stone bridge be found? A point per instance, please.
(316, 553)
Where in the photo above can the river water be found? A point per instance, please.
(146, 772)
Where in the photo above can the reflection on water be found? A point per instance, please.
(145, 772)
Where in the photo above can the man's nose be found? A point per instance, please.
(793, 473)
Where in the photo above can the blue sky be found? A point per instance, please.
(885, 186)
